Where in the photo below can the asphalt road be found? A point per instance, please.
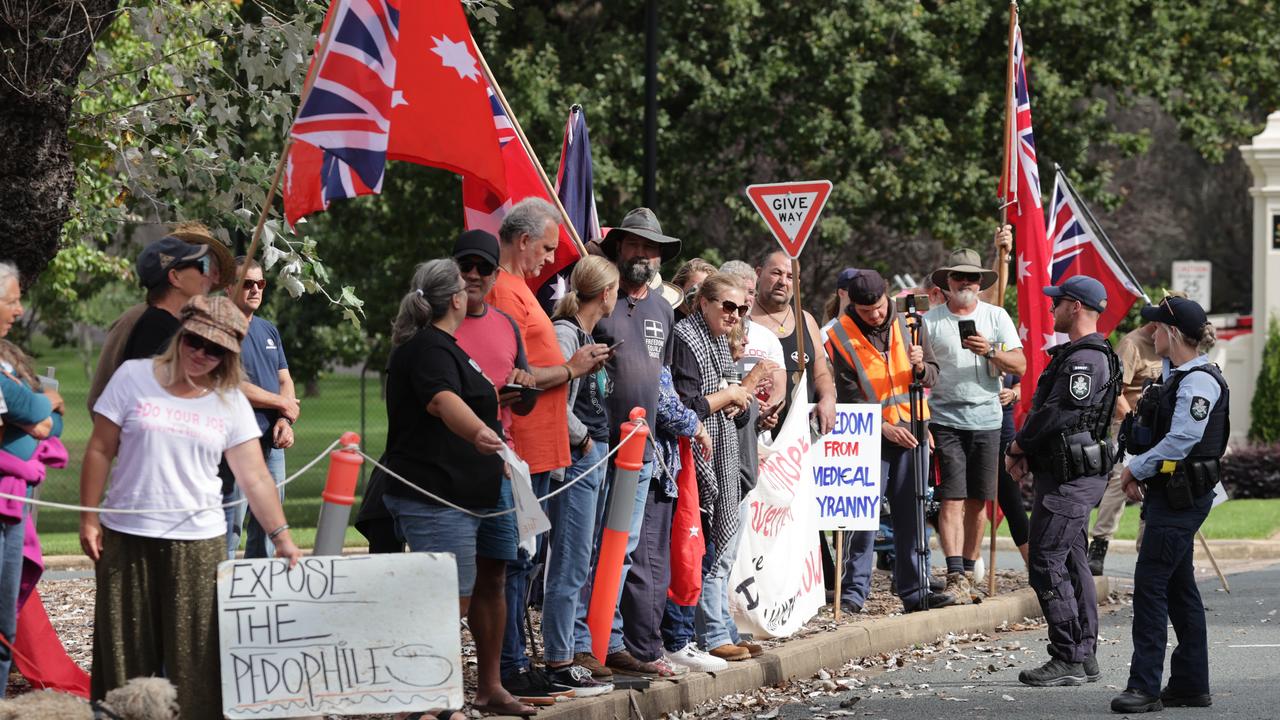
(982, 681)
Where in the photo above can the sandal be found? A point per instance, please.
(514, 707)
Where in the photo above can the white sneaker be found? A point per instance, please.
(697, 660)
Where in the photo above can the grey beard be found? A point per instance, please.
(964, 298)
(638, 271)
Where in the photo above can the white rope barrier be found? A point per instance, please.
(508, 511)
(183, 511)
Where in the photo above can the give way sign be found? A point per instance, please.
(790, 210)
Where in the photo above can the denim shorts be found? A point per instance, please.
(438, 528)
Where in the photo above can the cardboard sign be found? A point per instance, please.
(339, 635)
(790, 210)
(845, 467)
(776, 583)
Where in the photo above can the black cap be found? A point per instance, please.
(1088, 291)
(1184, 314)
(478, 243)
(866, 288)
(846, 275)
(163, 255)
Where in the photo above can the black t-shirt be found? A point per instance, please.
(420, 447)
(154, 329)
(635, 366)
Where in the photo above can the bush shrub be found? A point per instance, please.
(1265, 408)
(1252, 471)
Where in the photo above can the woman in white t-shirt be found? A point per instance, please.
(166, 422)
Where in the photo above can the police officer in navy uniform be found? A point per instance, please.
(1064, 445)
(1173, 473)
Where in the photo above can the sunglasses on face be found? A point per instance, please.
(1059, 300)
(259, 284)
(730, 307)
(202, 265)
(966, 277)
(467, 264)
(208, 347)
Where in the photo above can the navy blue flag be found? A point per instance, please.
(575, 186)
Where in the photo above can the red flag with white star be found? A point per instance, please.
(439, 112)
(1022, 192)
(687, 544)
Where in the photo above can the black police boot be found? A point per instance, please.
(1133, 700)
(1055, 673)
(1091, 669)
(1171, 699)
(1097, 555)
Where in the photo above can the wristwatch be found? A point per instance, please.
(991, 352)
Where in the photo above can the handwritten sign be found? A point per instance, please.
(339, 635)
(845, 467)
(776, 582)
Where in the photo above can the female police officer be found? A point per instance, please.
(1175, 471)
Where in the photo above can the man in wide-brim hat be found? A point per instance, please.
(640, 330)
(975, 343)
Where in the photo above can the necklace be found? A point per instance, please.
(781, 329)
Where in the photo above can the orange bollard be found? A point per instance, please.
(339, 495)
(613, 541)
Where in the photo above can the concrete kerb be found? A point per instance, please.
(805, 656)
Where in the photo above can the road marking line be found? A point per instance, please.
(1254, 646)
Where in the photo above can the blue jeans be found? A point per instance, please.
(573, 518)
(427, 527)
(713, 620)
(11, 537)
(256, 543)
(519, 572)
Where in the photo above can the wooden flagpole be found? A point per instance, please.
(1002, 258)
(528, 149)
(309, 82)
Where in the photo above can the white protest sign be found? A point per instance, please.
(776, 582)
(339, 635)
(790, 210)
(1195, 278)
(845, 467)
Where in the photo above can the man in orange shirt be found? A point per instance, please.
(528, 239)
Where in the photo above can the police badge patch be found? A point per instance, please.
(1080, 386)
(1199, 408)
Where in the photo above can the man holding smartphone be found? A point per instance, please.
(974, 342)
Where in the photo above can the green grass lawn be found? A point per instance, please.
(1234, 520)
(324, 418)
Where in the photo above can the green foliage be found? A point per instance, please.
(1265, 408)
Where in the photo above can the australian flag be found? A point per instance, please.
(1080, 248)
(575, 186)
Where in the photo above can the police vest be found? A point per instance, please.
(887, 375)
(1096, 418)
(1217, 429)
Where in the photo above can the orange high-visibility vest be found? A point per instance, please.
(888, 376)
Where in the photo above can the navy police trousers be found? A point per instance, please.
(1164, 591)
(1058, 566)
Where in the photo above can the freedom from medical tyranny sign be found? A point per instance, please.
(845, 465)
(339, 635)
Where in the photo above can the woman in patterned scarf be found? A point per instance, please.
(706, 379)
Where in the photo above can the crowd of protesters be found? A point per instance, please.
(479, 366)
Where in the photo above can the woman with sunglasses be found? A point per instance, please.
(166, 422)
(707, 380)
(1173, 475)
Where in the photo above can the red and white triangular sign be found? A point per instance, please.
(790, 210)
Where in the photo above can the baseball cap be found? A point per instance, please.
(1184, 314)
(1088, 291)
(215, 319)
(163, 255)
(866, 288)
(478, 243)
(846, 275)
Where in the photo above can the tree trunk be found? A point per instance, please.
(43, 48)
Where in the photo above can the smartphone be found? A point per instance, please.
(967, 329)
(771, 411)
(512, 387)
(615, 345)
